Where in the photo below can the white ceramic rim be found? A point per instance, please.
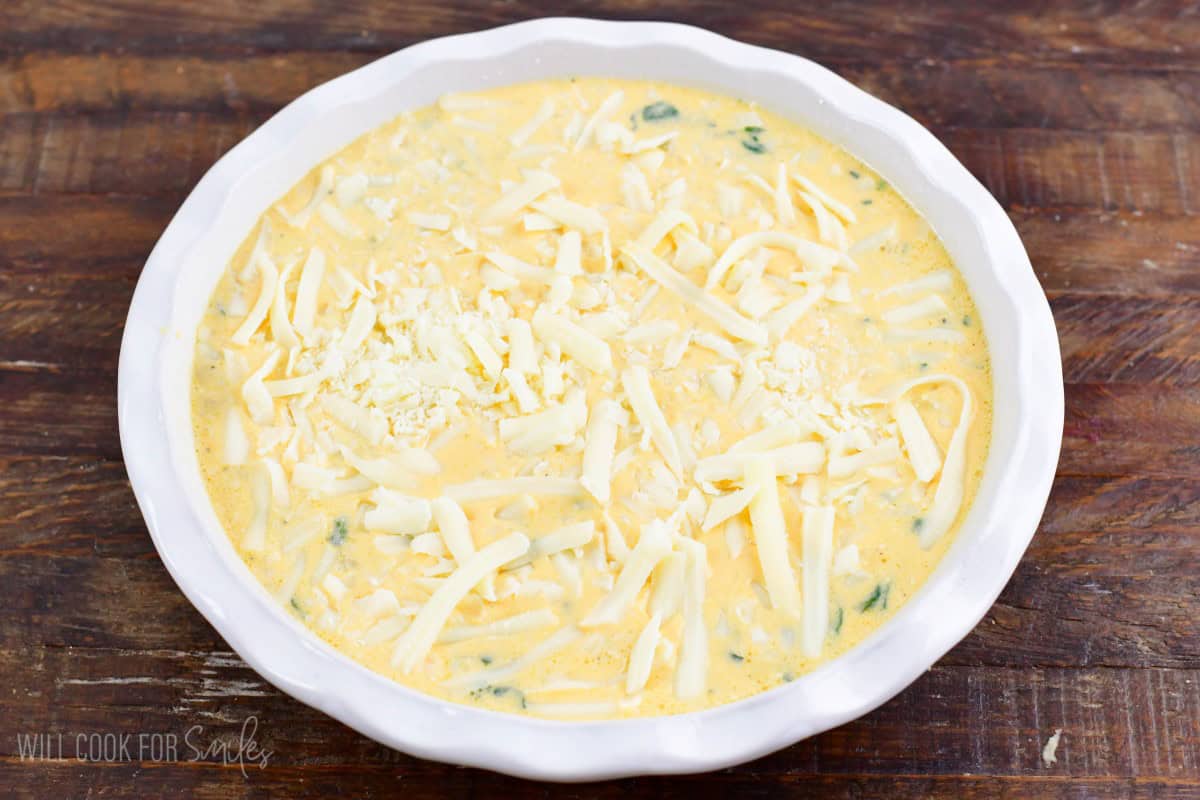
(156, 433)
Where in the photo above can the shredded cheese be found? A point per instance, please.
(602, 113)
(662, 225)
(455, 529)
(427, 625)
(641, 657)
(576, 341)
(636, 381)
(568, 537)
(507, 626)
(305, 309)
(652, 547)
(255, 538)
(536, 184)
(818, 560)
(770, 535)
(793, 459)
(522, 134)
(600, 447)
(572, 215)
(559, 640)
(942, 279)
(728, 319)
(727, 506)
(268, 275)
(836, 206)
(281, 328)
(928, 306)
(841, 466)
(814, 255)
(691, 676)
(395, 513)
(922, 450)
(397, 470)
(322, 191)
(569, 260)
(948, 496)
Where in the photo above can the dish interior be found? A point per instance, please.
(591, 398)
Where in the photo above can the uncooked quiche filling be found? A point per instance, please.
(590, 399)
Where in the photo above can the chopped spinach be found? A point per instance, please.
(918, 522)
(751, 141)
(881, 185)
(340, 531)
(839, 616)
(486, 660)
(878, 599)
(753, 129)
(299, 609)
(787, 677)
(868, 201)
(500, 691)
(659, 111)
(854, 174)
(966, 320)
(736, 656)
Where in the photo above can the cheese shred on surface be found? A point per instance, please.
(591, 399)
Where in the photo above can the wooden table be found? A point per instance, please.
(1084, 123)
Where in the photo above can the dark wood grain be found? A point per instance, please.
(1082, 118)
(1162, 34)
(371, 780)
(1100, 99)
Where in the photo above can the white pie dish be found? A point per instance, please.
(156, 433)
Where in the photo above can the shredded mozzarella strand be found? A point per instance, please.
(568, 537)
(652, 547)
(599, 449)
(770, 536)
(948, 497)
(268, 275)
(522, 134)
(603, 112)
(928, 306)
(427, 625)
(636, 381)
(818, 558)
(559, 640)
(641, 657)
(814, 255)
(536, 184)
(691, 676)
(305, 309)
(508, 626)
(922, 450)
(729, 320)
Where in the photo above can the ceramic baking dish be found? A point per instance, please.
(156, 434)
